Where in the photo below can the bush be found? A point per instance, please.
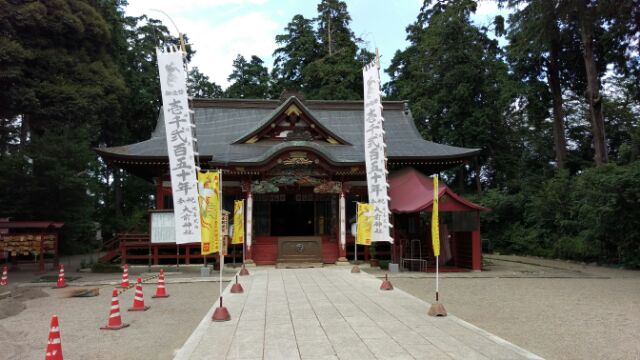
(592, 216)
(105, 268)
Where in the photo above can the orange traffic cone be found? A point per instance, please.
(115, 322)
(138, 299)
(161, 292)
(125, 277)
(54, 345)
(61, 283)
(5, 277)
(386, 284)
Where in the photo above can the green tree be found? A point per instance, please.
(458, 87)
(63, 86)
(298, 48)
(337, 72)
(198, 85)
(249, 80)
(535, 49)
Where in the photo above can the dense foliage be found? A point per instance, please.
(550, 94)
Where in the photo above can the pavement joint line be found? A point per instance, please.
(335, 292)
(341, 314)
(244, 303)
(192, 343)
(284, 286)
(390, 337)
(500, 341)
(316, 315)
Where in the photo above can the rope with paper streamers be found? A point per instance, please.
(143, 281)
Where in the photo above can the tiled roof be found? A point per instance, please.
(222, 122)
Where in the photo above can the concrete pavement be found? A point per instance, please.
(330, 313)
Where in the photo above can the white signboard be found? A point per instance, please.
(180, 146)
(163, 228)
(375, 154)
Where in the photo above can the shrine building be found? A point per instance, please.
(296, 162)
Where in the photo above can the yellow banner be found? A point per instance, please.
(365, 224)
(238, 222)
(209, 201)
(435, 226)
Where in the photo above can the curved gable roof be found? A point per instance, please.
(221, 123)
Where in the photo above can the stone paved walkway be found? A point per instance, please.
(330, 313)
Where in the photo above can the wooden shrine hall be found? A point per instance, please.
(295, 162)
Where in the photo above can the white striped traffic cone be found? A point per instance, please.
(138, 299)
(54, 344)
(161, 292)
(61, 283)
(5, 277)
(125, 277)
(115, 321)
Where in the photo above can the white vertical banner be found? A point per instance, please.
(249, 222)
(375, 154)
(343, 223)
(179, 146)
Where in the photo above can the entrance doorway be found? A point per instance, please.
(292, 218)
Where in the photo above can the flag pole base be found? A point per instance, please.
(386, 284)
(437, 309)
(221, 314)
(236, 288)
(355, 269)
(243, 271)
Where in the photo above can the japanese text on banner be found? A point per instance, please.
(179, 146)
(209, 200)
(435, 225)
(238, 222)
(374, 148)
(365, 222)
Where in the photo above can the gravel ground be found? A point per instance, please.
(154, 334)
(555, 309)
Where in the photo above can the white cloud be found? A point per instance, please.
(173, 7)
(217, 45)
(219, 30)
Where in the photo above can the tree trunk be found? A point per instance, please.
(329, 33)
(593, 91)
(559, 141)
(117, 193)
(25, 129)
(477, 170)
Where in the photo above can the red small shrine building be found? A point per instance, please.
(295, 162)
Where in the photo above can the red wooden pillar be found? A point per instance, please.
(123, 254)
(187, 254)
(476, 251)
(155, 255)
(56, 255)
(41, 257)
(159, 193)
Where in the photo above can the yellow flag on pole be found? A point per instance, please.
(238, 222)
(364, 229)
(435, 227)
(209, 201)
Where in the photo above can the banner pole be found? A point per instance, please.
(220, 238)
(437, 276)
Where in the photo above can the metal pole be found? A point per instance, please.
(221, 252)
(178, 257)
(437, 275)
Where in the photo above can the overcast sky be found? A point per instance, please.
(219, 30)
